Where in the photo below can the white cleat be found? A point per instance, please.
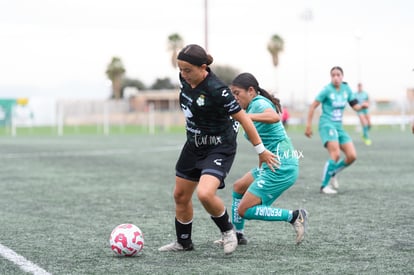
(334, 182)
(175, 246)
(328, 190)
(229, 241)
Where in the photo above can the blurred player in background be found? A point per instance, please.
(254, 193)
(334, 98)
(207, 156)
(363, 114)
(285, 117)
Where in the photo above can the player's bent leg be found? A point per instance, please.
(350, 154)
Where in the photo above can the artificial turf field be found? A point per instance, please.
(60, 197)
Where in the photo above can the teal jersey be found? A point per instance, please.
(333, 103)
(270, 133)
(361, 97)
(273, 135)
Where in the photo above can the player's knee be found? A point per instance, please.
(204, 196)
(180, 197)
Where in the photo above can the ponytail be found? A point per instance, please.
(273, 99)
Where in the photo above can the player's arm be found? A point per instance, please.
(312, 107)
(356, 106)
(269, 115)
(264, 155)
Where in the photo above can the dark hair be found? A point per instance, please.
(194, 54)
(246, 80)
(337, 68)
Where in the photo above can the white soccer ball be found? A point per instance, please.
(126, 240)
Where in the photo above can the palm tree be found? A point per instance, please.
(275, 46)
(115, 72)
(175, 43)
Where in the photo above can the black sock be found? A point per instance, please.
(223, 222)
(183, 232)
(294, 216)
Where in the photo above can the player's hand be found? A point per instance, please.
(270, 159)
(308, 131)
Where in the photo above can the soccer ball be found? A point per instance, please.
(126, 240)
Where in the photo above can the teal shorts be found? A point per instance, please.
(363, 111)
(332, 133)
(269, 185)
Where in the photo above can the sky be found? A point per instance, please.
(60, 49)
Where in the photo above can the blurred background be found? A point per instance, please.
(109, 62)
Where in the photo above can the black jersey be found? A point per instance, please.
(207, 109)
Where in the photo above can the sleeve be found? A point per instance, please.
(227, 100)
(322, 95)
(261, 105)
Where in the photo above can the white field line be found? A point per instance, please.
(21, 262)
(87, 153)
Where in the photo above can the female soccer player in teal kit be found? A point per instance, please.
(334, 97)
(363, 114)
(254, 193)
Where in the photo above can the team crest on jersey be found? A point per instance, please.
(332, 96)
(224, 93)
(200, 100)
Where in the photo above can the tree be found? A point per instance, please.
(163, 83)
(131, 82)
(115, 72)
(275, 46)
(175, 43)
(225, 73)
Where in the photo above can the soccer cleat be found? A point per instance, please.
(334, 182)
(175, 246)
(300, 225)
(241, 239)
(328, 190)
(229, 241)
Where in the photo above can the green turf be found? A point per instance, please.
(122, 129)
(61, 197)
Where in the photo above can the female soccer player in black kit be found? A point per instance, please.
(206, 158)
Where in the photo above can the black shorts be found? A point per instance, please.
(215, 161)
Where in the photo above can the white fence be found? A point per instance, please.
(107, 113)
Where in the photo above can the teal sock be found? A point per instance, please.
(340, 165)
(238, 221)
(365, 131)
(328, 171)
(267, 213)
